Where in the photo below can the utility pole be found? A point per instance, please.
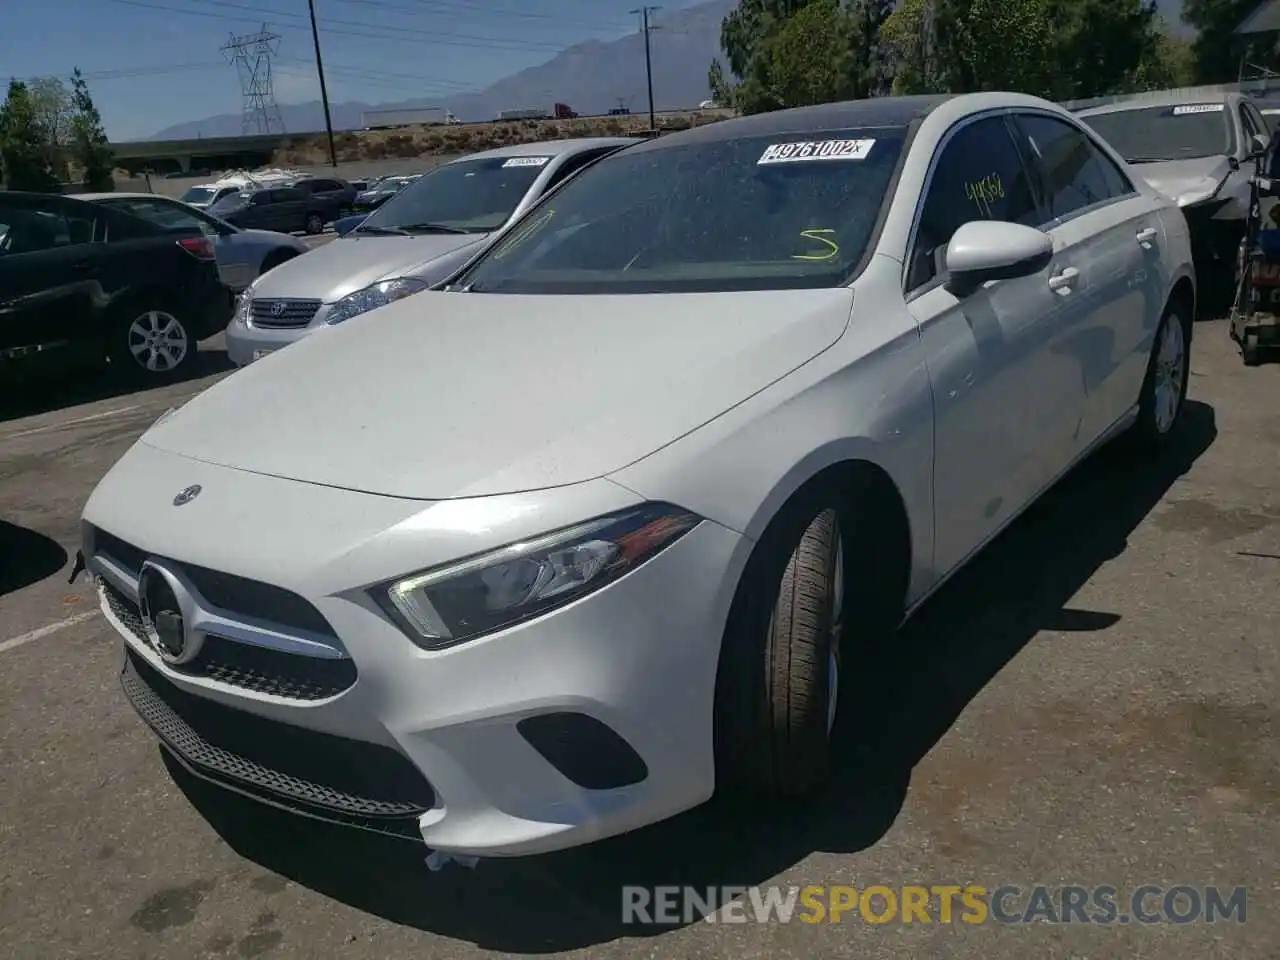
(648, 60)
(324, 91)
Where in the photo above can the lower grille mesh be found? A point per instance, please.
(318, 774)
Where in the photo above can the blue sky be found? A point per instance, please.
(154, 63)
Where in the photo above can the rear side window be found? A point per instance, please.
(979, 175)
(31, 230)
(1072, 171)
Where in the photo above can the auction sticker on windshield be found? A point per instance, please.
(527, 162)
(1189, 108)
(806, 151)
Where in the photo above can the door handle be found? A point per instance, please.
(1064, 281)
(1146, 236)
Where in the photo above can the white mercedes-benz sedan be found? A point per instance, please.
(594, 532)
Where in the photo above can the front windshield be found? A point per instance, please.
(775, 212)
(1187, 131)
(198, 195)
(469, 196)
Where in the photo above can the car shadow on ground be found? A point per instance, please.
(73, 387)
(943, 657)
(26, 557)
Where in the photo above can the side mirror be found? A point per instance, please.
(985, 250)
(1260, 144)
(1233, 163)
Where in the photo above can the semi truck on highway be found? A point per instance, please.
(558, 111)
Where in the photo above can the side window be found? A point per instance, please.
(1254, 123)
(31, 230)
(1073, 173)
(978, 176)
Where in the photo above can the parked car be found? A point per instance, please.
(1194, 149)
(242, 255)
(515, 569)
(279, 208)
(338, 192)
(84, 282)
(379, 193)
(411, 243)
(345, 225)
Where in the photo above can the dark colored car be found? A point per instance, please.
(288, 209)
(84, 282)
(340, 192)
(371, 199)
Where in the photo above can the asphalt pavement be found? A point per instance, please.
(1093, 702)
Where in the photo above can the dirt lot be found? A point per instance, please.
(1093, 702)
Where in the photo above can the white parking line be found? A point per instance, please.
(68, 423)
(41, 632)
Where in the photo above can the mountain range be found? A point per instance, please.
(593, 77)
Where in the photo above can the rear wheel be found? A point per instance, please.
(315, 223)
(1164, 391)
(151, 343)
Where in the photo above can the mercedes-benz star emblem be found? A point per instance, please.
(278, 308)
(161, 615)
(186, 496)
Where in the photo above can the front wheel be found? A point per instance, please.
(779, 679)
(152, 345)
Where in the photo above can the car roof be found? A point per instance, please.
(122, 196)
(551, 148)
(850, 114)
(1162, 98)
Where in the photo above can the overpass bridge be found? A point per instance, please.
(202, 153)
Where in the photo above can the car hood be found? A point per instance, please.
(444, 395)
(351, 263)
(1186, 181)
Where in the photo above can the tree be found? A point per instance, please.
(1100, 45)
(1216, 48)
(89, 146)
(24, 153)
(1171, 63)
(51, 104)
(785, 53)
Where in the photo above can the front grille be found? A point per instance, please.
(259, 669)
(317, 774)
(283, 314)
(236, 595)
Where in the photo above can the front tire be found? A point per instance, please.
(152, 344)
(778, 685)
(1164, 390)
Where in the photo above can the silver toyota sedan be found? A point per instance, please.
(414, 240)
(243, 255)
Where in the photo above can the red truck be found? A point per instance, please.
(562, 111)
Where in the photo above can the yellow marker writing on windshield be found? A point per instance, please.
(819, 236)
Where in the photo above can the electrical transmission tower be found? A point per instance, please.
(251, 54)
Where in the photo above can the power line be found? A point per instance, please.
(344, 28)
(446, 6)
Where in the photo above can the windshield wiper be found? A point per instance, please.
(382, 231)
(429, 228)
(1148, 159)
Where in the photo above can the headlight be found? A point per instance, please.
(464, 600)
(244, 307)
(374, 296)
